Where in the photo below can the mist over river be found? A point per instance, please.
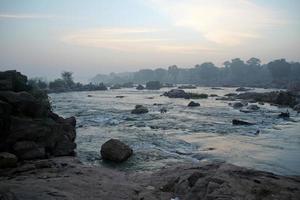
(183, 134)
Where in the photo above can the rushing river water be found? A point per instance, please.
(183, 134)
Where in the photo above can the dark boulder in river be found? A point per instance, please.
(115, 150)
(177, 93)
(193, 104)
(284, 115)
(139, 109)
(28, 127)
(140, 87)
(240, 122)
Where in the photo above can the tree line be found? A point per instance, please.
(252, 73)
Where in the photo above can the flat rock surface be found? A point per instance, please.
(67, 178)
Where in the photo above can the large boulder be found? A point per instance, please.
(13, 81)
(177, 93)
(28, 150)
(8, 160)
(23, 103)
(139, 109)
(28, 127)
(193, 104)
(115, 150)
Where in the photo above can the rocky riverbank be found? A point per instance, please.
(66, 178)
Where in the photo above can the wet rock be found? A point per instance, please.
(120, 97)
(115, 150)
(284, 115)
(177, 93)
(297, 108)
(241, 122)
(242, 89)
(28, 150)
(213, 95)
(253, 107)
(193, 104)
(140, 109)
(7, 160)
(89, 95)
(237, 105)
(163, 110)
(140, 87)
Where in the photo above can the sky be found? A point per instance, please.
(45, 37)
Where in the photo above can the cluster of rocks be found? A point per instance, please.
(28, 127)
(280, 98)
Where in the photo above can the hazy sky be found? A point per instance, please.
(44, 37)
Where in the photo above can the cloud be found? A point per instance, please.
(132, 40)
(226, 22)
(26, 16)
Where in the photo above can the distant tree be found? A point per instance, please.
(37, 83)
(153, 85)
(57, 84)
(253, 62)
(280, 71)
(67, 77)
(173, 73)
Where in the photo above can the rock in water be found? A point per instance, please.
(140, 87)
(242, 89)
(115, 150)
(237, 105)
(284, 115)
(193, 104)
(7, 160)
(253, 107)
(139, 109)
(176, 93)
(240, 122)
(297, 108)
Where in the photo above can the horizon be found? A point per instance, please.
(44, 38)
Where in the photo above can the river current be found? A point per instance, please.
(183, 134)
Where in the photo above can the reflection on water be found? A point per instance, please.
(182, 134)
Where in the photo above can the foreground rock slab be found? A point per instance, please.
(66, 178)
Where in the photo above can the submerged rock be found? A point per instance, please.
(253, 107)
(241, 122)
(193, 104)
(8, 160)
(163, 110)
(115, 150)
(242, 89)
(139, 109)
